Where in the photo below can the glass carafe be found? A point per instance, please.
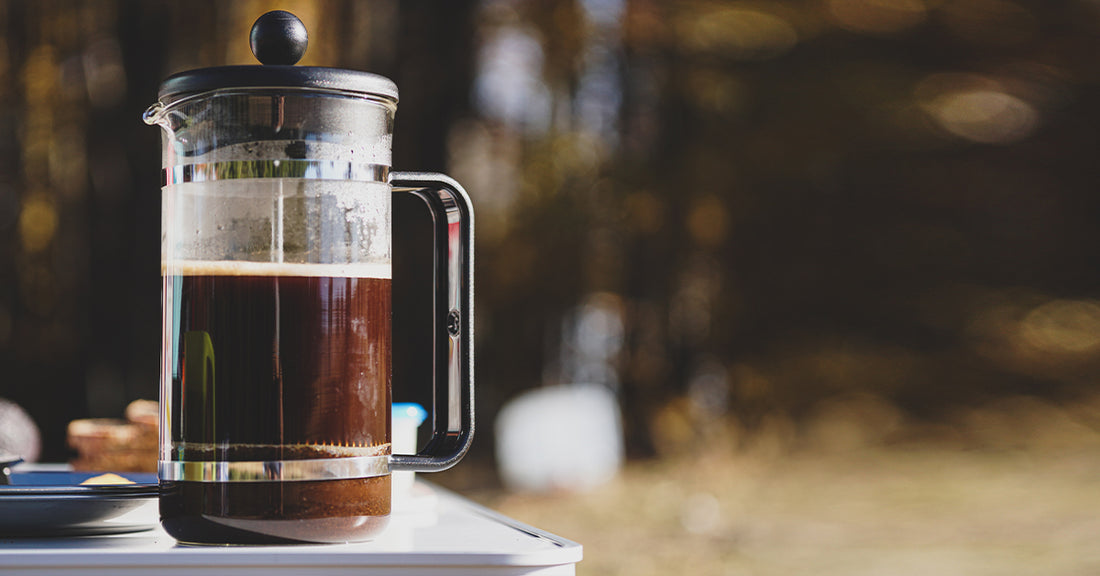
(276, 265)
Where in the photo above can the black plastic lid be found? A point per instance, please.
(278, 40)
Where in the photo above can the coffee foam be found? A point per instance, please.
(210, 451)
(298, 269)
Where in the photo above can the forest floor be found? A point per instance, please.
(1017, 491)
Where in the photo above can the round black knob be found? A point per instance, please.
(278, 37)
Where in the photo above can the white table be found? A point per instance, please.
(432, 532)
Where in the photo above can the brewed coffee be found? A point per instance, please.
(276, 362)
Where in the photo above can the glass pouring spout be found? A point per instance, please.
(154, 114)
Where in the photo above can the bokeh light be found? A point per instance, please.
(977, 108)
(37, 223)
(878, 16)
(510, 86)
(1061, 326)
(740, 32)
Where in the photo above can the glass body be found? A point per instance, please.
(275, 376)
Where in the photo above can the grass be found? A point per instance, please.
(1017, 502)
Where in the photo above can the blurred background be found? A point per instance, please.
(786, 248)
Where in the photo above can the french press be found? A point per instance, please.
(276, 267)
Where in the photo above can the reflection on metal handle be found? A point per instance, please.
(453, 216)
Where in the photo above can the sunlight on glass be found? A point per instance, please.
(977, 108)
(878, 16)
(1063, 326)
(739, 32)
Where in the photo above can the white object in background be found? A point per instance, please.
(407, 418)
(560, 438)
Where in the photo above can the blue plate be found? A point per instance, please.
(54, 503)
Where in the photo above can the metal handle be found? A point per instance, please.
(453, 217)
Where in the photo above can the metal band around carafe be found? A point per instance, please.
(302, 169)
(276, 470)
